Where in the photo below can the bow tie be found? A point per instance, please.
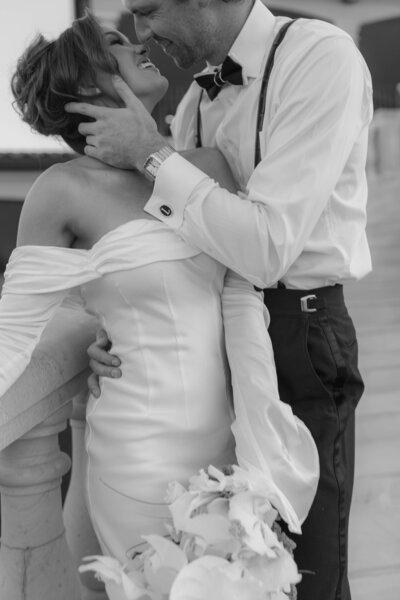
(230, 72)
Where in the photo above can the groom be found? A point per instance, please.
(290, 110)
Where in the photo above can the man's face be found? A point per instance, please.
(183, 29)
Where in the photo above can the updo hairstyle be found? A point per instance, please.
(51, 73)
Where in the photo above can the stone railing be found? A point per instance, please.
(40, 546)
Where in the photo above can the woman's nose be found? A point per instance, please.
(141, 50)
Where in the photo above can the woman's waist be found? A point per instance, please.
(143, 468)
(135, 413)
(179, 377)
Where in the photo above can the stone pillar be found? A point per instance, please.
(35, 562)
(80, 535)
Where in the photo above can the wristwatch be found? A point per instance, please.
(155, 160)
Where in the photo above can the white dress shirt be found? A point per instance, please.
(300, 215)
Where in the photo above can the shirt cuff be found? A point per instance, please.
(176, 180)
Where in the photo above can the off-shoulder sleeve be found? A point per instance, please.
(36, 281)
(270, 440)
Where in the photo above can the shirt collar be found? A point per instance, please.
(249, 48)
(255, 37)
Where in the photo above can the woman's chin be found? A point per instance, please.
(154, 98)
(164, 85)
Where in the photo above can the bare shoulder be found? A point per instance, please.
(47, 207)
(53, 185)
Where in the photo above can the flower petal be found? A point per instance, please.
(162, 563)
(276, 574)
(106, 567)
(174, 491)
(213, 529)
(193, 582)
(213, 578)
(111, 572)
(169, 555)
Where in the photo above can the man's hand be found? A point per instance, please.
(102, 363)
(121, 137)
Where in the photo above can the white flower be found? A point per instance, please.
(181, 509)
(162, 562)
(193, 547)
(276, 574)
(214, 578)
(249, 510)
(174, 491)
(222, 544)
(212, 528)
(218, 506)
(212, 480)
(254, 480)
(125, 586)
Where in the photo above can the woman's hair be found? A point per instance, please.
(51, 73)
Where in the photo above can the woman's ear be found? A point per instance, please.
(89, 91)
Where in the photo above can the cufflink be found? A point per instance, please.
(165, 210)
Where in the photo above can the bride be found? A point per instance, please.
(175, 316)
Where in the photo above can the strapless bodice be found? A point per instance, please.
(171, 411)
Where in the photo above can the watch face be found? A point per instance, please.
(154, 161)
(151, 167)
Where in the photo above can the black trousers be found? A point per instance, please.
(316, 358)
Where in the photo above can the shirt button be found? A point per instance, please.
(165, 210)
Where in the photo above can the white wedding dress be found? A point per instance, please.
(171, 411)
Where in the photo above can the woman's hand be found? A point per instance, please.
(102, 362)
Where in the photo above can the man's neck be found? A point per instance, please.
(232, 16)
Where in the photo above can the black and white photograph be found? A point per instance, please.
(199, 300)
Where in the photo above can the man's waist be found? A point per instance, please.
(313, 270)
(283, 300)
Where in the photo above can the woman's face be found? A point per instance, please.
(135, 68)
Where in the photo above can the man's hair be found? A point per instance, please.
(51, 73)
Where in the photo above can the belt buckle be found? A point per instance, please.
(304, 303)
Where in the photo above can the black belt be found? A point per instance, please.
(282, 300)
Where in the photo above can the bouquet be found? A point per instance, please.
(224, 543)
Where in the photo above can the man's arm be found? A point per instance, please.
(324, 111)
(324, 108)
(125, 137)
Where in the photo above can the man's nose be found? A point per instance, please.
(143, 30)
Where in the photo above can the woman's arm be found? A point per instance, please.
(269, 438)
(35, 281)
(23, 318)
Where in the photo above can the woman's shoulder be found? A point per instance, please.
(56, 182)
(47, 208)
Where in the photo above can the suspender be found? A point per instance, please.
(264, 86)
(263, 93)
(198, 141)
